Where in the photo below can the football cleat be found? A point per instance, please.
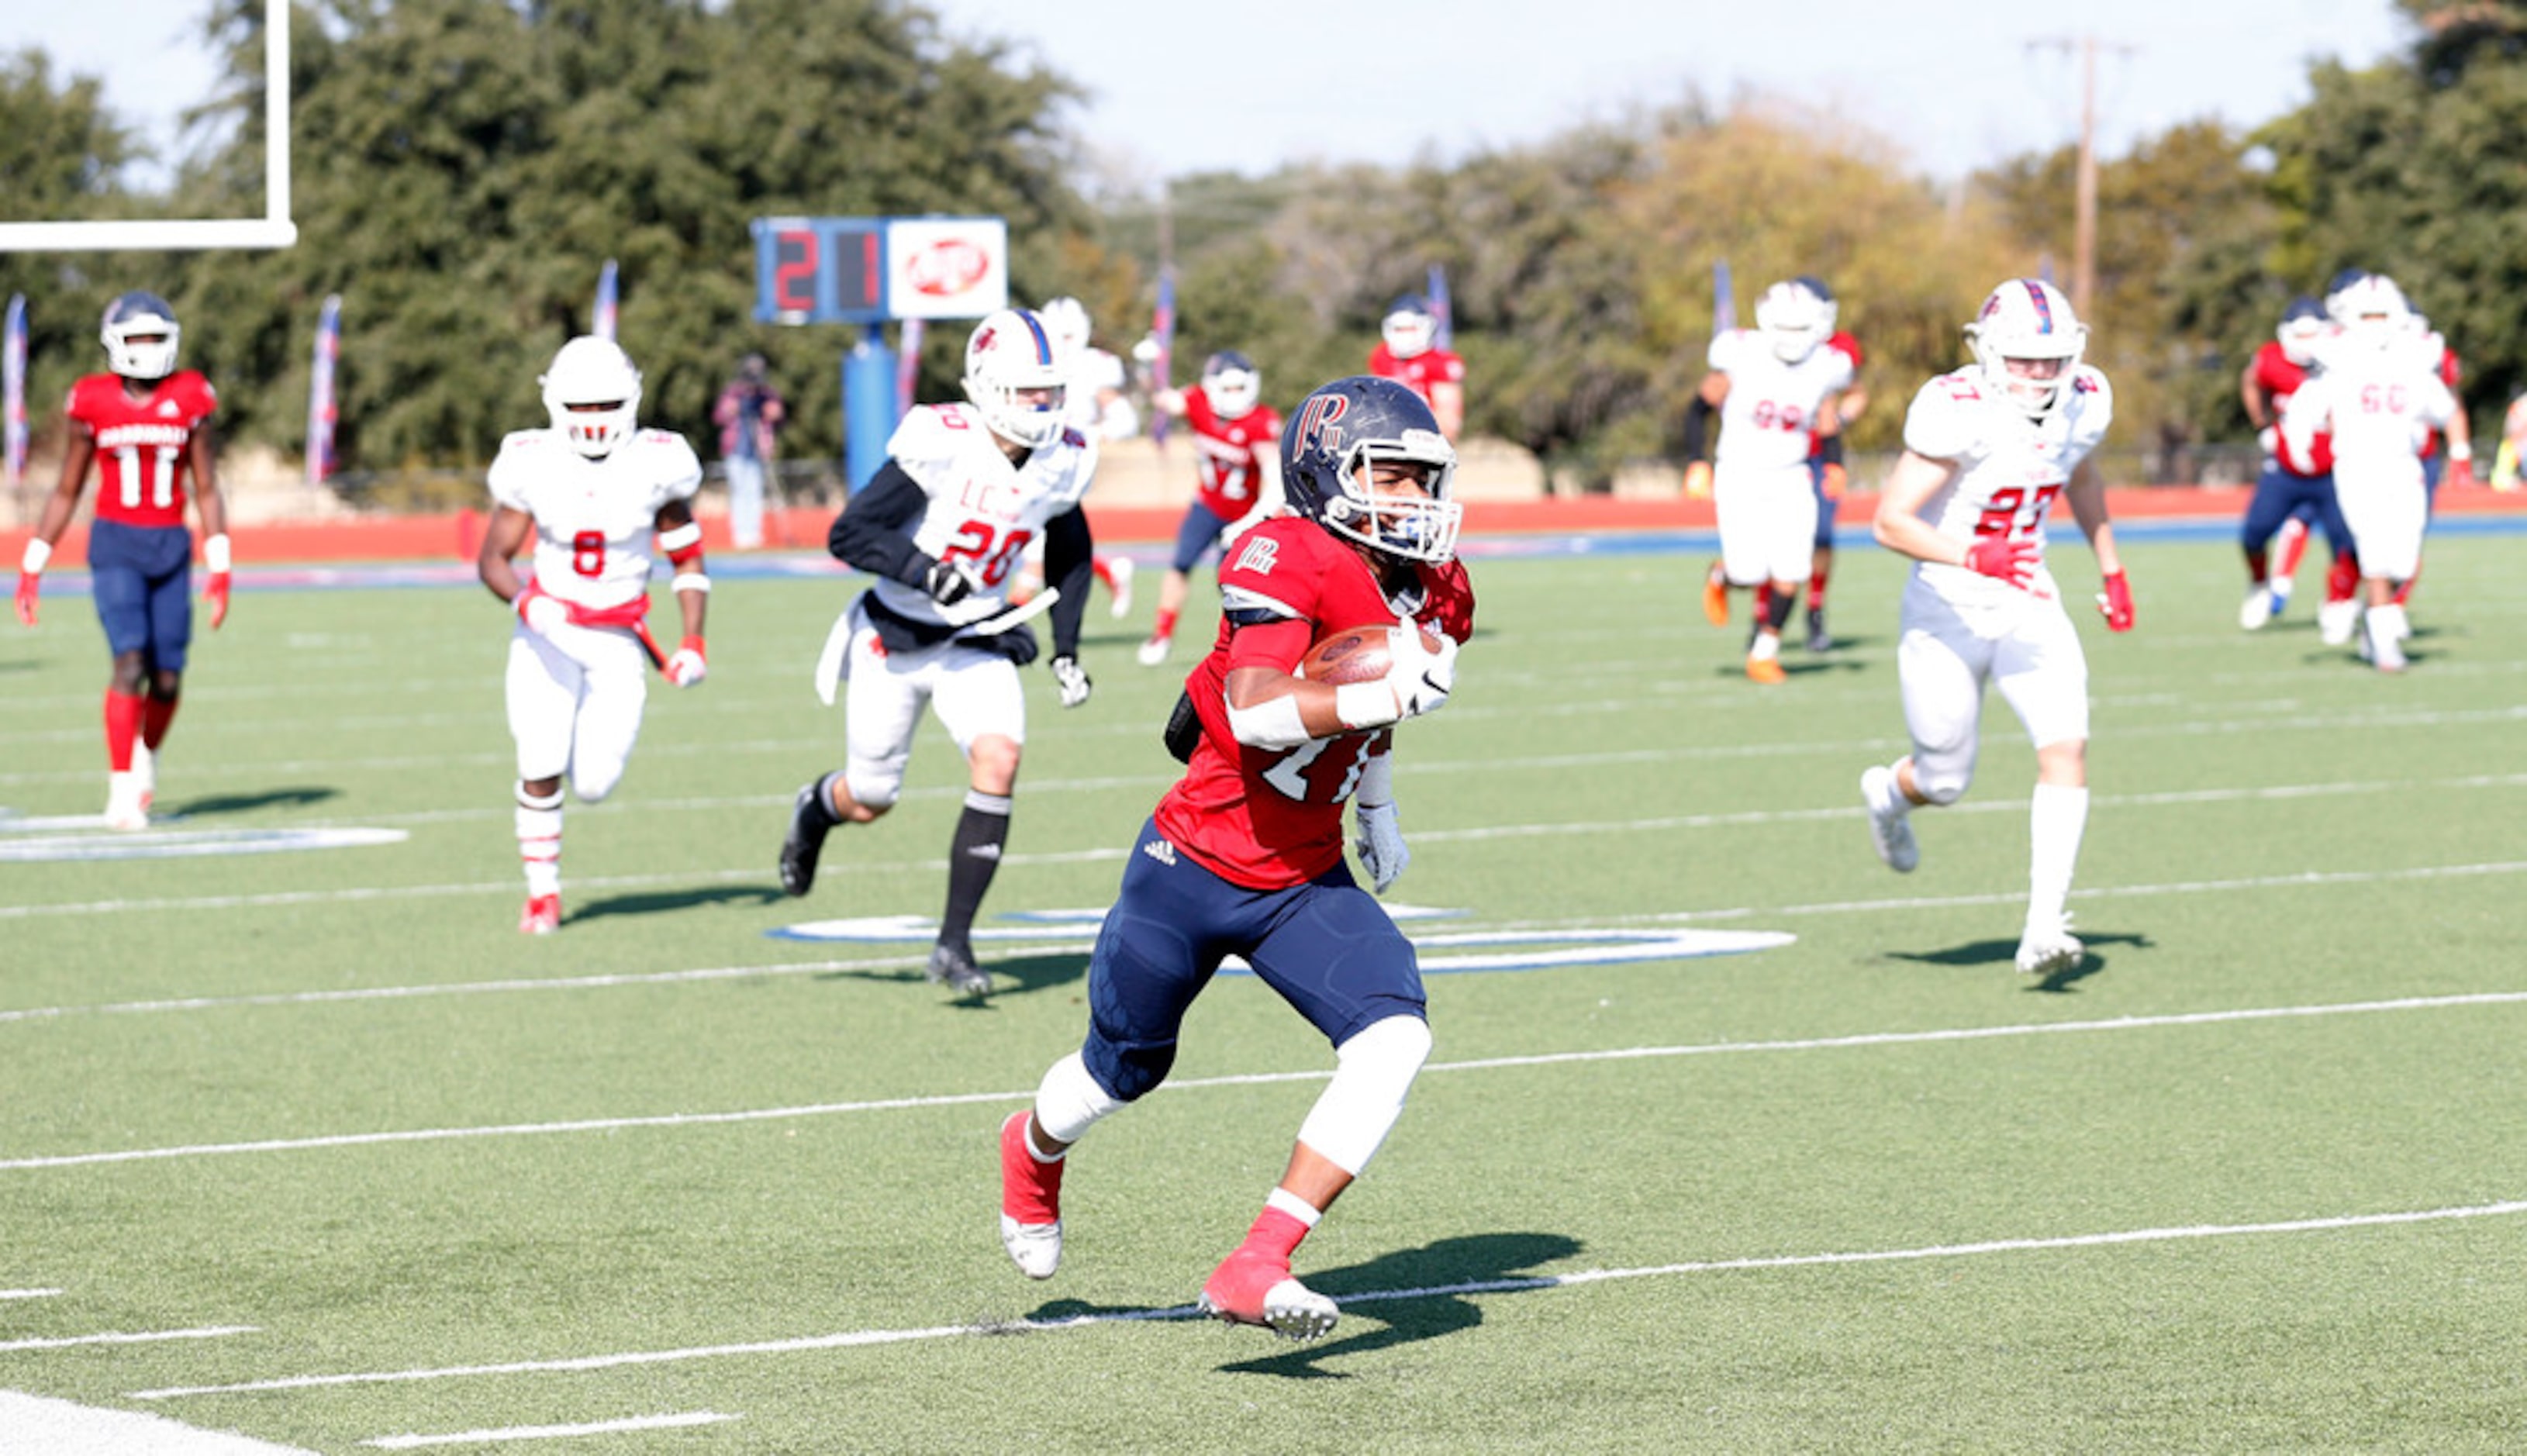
(1030, 1203)
(1818, 639)
(1118, 579)
(1154, 651)
(2048, 949)
(126, 802)
(1252, 1287)
(2280, 585)
(2382, 645)
(2258, 609)
(1891, 822)
(804, 842)
(1715, 597)
(2336, 621)
(541, 916)
(1766, 671)
(954, 966)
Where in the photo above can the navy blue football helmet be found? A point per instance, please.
(141, 336)
(1335, 436)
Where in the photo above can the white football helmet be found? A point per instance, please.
(1014, 375)
(1793, 320)
(2026, 318)
(2302, 331)
(1231, 382)
(2373, 313)
(593, 395)
(1825, 297)
(1066, 320)
(141, 334)
(1410, 328)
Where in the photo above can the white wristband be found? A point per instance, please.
(1367, 704)
(677, 537)
(215, 552)
(38, 552)
(2462, 451)
(690, 581)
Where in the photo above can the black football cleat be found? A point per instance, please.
(1818, 639)
(809, 825)
(952, 966)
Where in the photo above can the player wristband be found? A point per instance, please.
(2462, 451)
(677, 537)
(690, 581)
(215, 552)
(1367, 704)
(38, 552)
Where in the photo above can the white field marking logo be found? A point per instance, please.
(21, 844)
(1449, 953)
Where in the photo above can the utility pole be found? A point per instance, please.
(2084, 216)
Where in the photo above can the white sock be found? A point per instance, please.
(2057, 816)
(540, 842)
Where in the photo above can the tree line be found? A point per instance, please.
(461, 170)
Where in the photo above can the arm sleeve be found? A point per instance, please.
(873, 532)
(1697, 430)
(1068, 556)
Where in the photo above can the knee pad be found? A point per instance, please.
(874, 788)
(1127, 1073)
(1070, 1101)
(1374, 1070)
(592, 785)
(1943, 782)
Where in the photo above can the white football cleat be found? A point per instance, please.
(2048, 949)
(2258, 609)
(2382, 644)
(126, 802)
(1154, 651)
(2336, 621)
(1891, 822)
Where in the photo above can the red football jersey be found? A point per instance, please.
(1270, 818)
(2280, 379)
(143, 446)
(1422, 372)
(1228, 453)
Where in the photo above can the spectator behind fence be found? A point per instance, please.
(750, 414)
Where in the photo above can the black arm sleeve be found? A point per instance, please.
(1830, 450)
(874, 530)
(1697, 429)
(1069, 554)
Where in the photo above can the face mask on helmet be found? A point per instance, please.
(2302, 331)
(2374, 313)
(593, 394)
(1330, 454)
(1066, 321)
(1792, 319)
(1232, 385)
(141, 336)
(1410, 329)
(2028, 343)
(1013, 376)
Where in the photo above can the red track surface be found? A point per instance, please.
(454, 537)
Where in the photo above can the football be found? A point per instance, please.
(1360, 655)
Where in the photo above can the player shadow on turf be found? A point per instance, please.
(299, 796)
(1427, 1291)
(1981, 953)
(1031, 974)
(660, 902)
(1794, 668)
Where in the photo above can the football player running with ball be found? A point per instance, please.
(943, 526)
(1244, 856)
(1987, 450)
(598, 494)
(146, 425)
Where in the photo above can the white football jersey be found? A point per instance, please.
(984, 511)
(2010, 469)
(2382, 404)
(1092, 372)
(596, 520)
(1770, 417)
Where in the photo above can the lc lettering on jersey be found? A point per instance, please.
(1256, 555)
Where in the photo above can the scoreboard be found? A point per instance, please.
(864, 270)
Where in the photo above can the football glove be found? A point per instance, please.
(1834, 482)
(949, 583)
(1073, 679)
(30, 576)
(540, 611)
(687, 667)
(1421, 678)
(1697, 480)
(2460, 472)
(215, 592)
(2003, 558)
(2116, 602)
(1379, 843)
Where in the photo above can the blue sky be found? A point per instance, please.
(1181, 87)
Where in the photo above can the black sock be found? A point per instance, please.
(823, 799)
(1778, 610)
(972, 860)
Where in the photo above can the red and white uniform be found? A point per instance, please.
(1270, 819)
(1961, 628)
(1849, 348)
(1760, 487)
(2382, 405)
(142, 446)
(1228, 470)
(2280, 379)
(1422, 373)
(576, 694)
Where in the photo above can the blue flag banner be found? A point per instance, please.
(321, 413)
(2045, 267)
(1441, 309)
(908, 366)
(604, 323)
(13, 389)
(1724, 299)
(1162, 333)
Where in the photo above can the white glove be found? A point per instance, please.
(686, 667)
(1420, 677)
(540, 612)
(1379, 844)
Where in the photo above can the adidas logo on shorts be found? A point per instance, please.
(1161, 850)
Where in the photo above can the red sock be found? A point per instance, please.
(2294, 545)
(155, 714)
(2343, 579)
(1276, 1234)
(1167, 626)
(2256, 572)
(1764, 599)
(2405, 593)
(1105, 573)
(122, 728)
(1815, 590)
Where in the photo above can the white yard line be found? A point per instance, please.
(40, 1425)
(867, 1337)
(28, 1293)
(549, 1433)
(120, 1337)
(1244, 1079)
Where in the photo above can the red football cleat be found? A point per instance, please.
(1030, 1203)
(1253, 1286)
(541, 916)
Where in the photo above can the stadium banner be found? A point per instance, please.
(1724, 299)
(1445, 336)
(13, 389)
(321, 410)
(946, 268)
(907, 365)
(603, 324)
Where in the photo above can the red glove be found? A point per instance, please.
(2116, 602)
(1835, 481)
(29, 584)
(216, 593)
(2003, 558)
(2460, 474)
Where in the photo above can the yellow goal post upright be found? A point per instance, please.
(273, 229)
